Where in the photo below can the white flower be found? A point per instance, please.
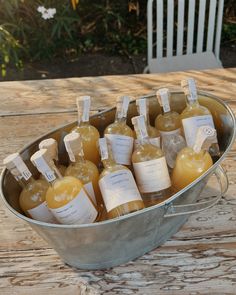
(51, 12)
(46, 13)
(41, 9)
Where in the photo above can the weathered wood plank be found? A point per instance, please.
(59, 95)
(199, 259)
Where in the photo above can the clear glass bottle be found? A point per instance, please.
(120, 135)
(32, 197)
(150, 167)
(51, 145)
(118, 187)
(153, 133)
(195, 116)
(85, 170)
(66, 198)
(169, 124)
(88, 132)
(193, 162)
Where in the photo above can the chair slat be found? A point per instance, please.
(150, 29)
(211, 25)
(219, 28)
(170, 27)
(191, 15)
(180, 27)
(159, 22)
(201, 24)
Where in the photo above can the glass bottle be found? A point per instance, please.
(32, 197)
(193, 162)
(153, 133)
(169, 124)
(195, 116)
(85, 170)
(51, 145)
(150, 167)
(117, 185)
(119, 134)
(65, 197)
(88, 132)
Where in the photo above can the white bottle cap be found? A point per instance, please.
(142, 105)
(83, 106)
(206, 135)
(163, 95)
(73, 145)
(103, 146)
(17, 167)
(140, 126)
(51, 145)
(189, 88)
(122, 104)
(41, 160)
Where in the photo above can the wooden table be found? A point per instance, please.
(199, 259)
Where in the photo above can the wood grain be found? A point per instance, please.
(199, 259)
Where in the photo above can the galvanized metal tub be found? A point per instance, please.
(112, 242)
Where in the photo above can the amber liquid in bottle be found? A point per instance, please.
(51, 145)
(150, 167)
(195, 116)
(169, 121)
(120, 135)
(32, 196)
(85, 170)
(66, 198)
(119, 190)
(88, 132)
(153, 133)
(193, 162)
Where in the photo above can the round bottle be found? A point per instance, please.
(89, 134)
(118, 188)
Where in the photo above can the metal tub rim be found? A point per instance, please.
(165, 203)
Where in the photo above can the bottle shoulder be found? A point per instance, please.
(119, 128)
(194, 111)
(168, 122)
(110, 169)
(146, 152)
(86, 130)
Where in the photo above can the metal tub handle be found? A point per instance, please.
(178, 210)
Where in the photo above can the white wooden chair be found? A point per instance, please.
(193, 49)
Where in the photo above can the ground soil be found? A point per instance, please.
(96, 65)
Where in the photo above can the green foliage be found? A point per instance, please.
(9, 48)
(109, 26)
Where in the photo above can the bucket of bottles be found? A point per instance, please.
(112, 242)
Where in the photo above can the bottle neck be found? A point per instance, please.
(141, 133)
(164, 113)
(23, 182)
(78, 159)
(83, 123)
(108, 162)
(119, 119)
(192, 102)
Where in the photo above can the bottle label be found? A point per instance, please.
(103, 148)
(22, 168)
(43, 167)
(191, 126)
(42, 213)
(152, 176)
(164, 99)
(90, 191)
(122, 107)
(78, 211)
(86, 108)
(142, 105)
(168, 133)
(122, 147)
(118, 188)
(154, 141)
